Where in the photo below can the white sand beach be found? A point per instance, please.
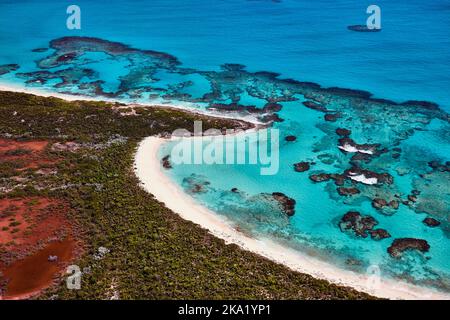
(69, 97)
(149, 170)
(42, 93)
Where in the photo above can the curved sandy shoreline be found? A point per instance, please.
(149, 170)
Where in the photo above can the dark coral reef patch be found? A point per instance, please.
(362, 28)
(362, 226)
(399, 246)
(7, 68)
(287, 204)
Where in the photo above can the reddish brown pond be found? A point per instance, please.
(29, 276)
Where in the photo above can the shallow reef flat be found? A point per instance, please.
(231, 89)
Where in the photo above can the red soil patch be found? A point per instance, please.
(11, 145)
(25, 222)
(26, 154)
(32, 229)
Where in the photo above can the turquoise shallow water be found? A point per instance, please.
(302, 40)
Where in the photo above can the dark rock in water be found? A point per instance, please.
(197, 188)
(423, 104)
(235, 190)
(366, 148)
(379, 234)
(7, 68)
(320, 177)
(235, 107)
(394, 204)
(431, 222)
(436, 165)
(362, 28)
(361, 157)
(353, 262)
(274, 117)
(290, 138)
(379, 203)
(232, 67)
(166, 162)
(67, 57)
(195, 184)
(349, 92)
(287, 204)
(381, 177)
(412, 198)
(315, 106)
(331, 117)
(348, 191)
(403, 244)
(339, 179)
(302, 166)
(272, 107)
(268, 74)
(306, 84)
(40, 50)
(362, 226)
(343, 132)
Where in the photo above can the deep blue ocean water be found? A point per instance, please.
(304, 40)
